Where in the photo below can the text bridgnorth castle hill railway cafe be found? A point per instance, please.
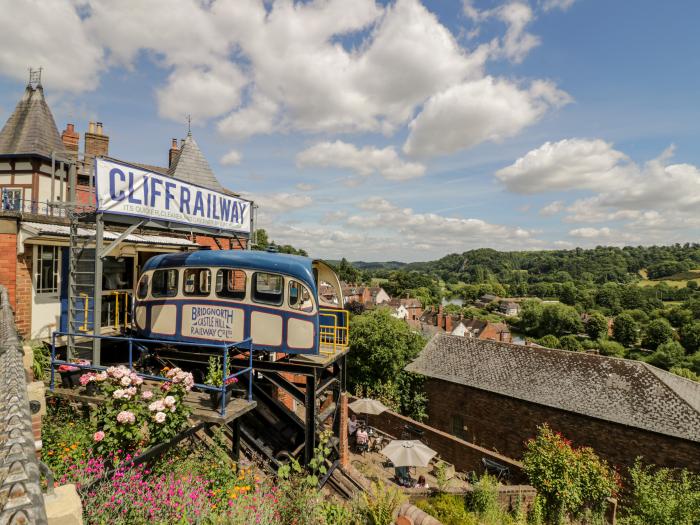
(126, 190)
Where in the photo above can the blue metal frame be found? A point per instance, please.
(246, 344)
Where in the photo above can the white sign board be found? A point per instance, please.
(126, 190)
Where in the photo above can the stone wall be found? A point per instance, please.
(504, 424)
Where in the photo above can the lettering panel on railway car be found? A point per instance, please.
(218, 323)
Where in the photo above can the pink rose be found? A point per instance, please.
(98, 436)
(126, 381)
(126, 417)
(147, 394)
(160, 417)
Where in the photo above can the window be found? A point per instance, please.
(12, 199)
(458, 429)
(47, 269)
(231, 284)
(197, 281)
(268, 288)
(300, 297)
(142, 290)
(164, 283)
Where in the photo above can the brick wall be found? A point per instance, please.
(504, 424)
(8, 265)
(226, 244)
(23, 309)
(465, 456)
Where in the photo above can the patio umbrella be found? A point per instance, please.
(367, 406)
(408, 453)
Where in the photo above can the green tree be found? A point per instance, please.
(667, 355)
(678, 316)
(685, 372)
(550, 341)
(380, 347)
(610, 348)
(347, 272)
(625, 329)
(560, 319)
(690, 336)
(530, 315)
(570, 480)
(657, 333)
(596, 326)
(571, 343)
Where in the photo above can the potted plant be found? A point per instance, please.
(91, 381)
(215, 377)
(70, 374)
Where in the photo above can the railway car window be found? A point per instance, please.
(300, 297)
(142, 291)
(268, 288)
(164, 283)
(231, 284)
(197, 281)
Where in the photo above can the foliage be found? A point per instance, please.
(685, 372)
(264, 243)
(610, 348)
(41, 360)
(662, 497)
(571, 343)
(625, 329)
(657, 333)
(377, 505)
(596, 326)
(549, 341)
(569, 480)
(380, 347)
(690, 336)
(449, 509)
(667, 355)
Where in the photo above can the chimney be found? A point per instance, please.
(448, 323)
(96, 142)
(71, 141)
(173, 153)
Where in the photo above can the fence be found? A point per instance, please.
(21, 499)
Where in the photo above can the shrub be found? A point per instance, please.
(610, 348)
(378, 505)
(550, 341)
(449, 509)
(667, 355)
(662, 496)
(571, 343)
(570, 481)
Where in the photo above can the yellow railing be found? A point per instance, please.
(86, 305)
(336, 334)
(116, 309)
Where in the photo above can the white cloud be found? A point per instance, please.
(567, 164)
(279, 202)
(552, 208)
(468, 114)
(232, 158)
(201, 92)
(589, 233)
(363, 161)
(304, 186)
(517, 42)
(49, 35)
(548, 5)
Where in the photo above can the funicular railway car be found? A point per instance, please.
(229, 296)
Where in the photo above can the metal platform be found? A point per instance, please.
(197, 401)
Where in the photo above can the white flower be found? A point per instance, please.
(118, 394)
(169, 401)
(160, 417)
(126, 381)
(147, 394)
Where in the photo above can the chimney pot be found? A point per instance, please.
(174, 144)
(99, 128)
(91, 127)
(70, 128)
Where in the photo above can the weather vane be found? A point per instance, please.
(35, 77)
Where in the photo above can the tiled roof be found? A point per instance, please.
(31, 128)
(192, 166)
(21, 499)
(623, 391)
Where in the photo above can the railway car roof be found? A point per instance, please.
(292, 265)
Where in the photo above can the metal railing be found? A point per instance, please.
(10, 205)
(333, 330)
(22, 500)
(246, 344)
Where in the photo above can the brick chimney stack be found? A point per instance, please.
(71, 140)
(96, 142)
(173, 153)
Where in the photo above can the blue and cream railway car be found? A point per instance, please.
(228, 296)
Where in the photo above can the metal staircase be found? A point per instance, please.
(81, 284)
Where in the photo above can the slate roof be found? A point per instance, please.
(623, 391)
(31, 128)
(21, 499)
(192, 166)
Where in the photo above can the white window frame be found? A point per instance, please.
(39, 286)
(21, 198)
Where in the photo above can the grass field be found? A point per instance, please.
(678, 280)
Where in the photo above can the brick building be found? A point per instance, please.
(495, 395)
(35, 180)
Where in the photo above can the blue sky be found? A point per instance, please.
(396, 130)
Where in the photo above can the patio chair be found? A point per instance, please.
(495, 468)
